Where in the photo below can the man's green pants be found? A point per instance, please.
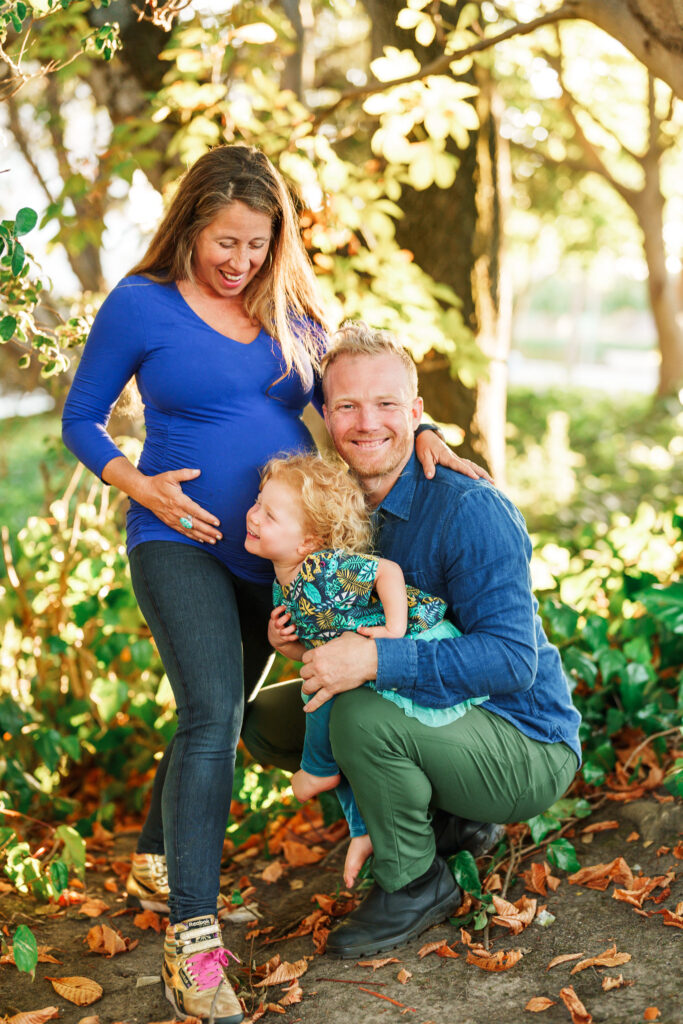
(479, 767)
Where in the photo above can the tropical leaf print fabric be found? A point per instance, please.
(333, 594)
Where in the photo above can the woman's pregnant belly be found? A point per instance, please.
(229, 456)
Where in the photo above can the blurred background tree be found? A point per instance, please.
(498, 182)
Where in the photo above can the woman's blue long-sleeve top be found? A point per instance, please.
(210, 404)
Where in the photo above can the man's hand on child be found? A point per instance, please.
(341, 664)
(360, 848)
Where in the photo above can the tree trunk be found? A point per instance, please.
(651, 29)
(649, 209)
(444, 230)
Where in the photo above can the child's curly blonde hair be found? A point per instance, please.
(333, 503)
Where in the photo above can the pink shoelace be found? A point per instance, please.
(207, 967)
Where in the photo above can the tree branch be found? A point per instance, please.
(22, 142)
(441, 65)
(593, 157)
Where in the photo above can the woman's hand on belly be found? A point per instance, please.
(163, 495)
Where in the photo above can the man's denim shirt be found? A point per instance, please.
(464, 541)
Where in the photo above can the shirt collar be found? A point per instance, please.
(399, 500)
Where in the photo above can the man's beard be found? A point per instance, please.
(383, 464)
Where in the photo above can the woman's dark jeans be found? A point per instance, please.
(207, 624)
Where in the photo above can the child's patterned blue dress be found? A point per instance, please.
(333, 594)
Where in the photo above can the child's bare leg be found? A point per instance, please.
(306, 785)
(358, 852)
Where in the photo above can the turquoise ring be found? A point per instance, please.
(186, 522)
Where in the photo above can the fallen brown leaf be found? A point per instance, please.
(651, 1013)
(500, 961)
(298, 854)
(564, 958)
(103, 939)
(273, 872)
(610, 958)
(269, 966)
(431, 947)
(611, 981)
(111, 885)
(465, 906)
(668, 917)
(376, 964)
(493, 883)
(404, 976)
(93, 907)
(33, 1016)
(447, 953)
(678, 851)
(539, 1003)
(148, 919)
(515, 916)
(284, 972)
(599, 826)
(78, 990)
(538, 877)
(292, 995)
(601, 875)
(632, 837)
(662, 850)
(335, 906)
(92, 1019)
(578, 1011)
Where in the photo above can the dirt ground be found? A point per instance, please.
(440, 991)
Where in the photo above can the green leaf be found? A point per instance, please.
(612, 662)
(541, 824)
(236, 898)
(593, 773)
(582, 664)
(110, 695)
(74, 848)
(25, 949)
(562, 619)
(562, 854)
(595, 632)
(8, 325)
(480, 920)
(142, 653)
(26, 219)
(59, 875)
(18, 257)
(464, 868)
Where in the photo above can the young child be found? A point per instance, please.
(310, 519)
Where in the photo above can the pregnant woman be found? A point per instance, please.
(222, 327)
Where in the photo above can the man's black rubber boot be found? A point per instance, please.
(454, 834)
(388, 919)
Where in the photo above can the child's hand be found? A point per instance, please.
(281, 630)
(360, 848)
(380, 631)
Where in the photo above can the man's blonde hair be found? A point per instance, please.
(356, 338)
(333, 503)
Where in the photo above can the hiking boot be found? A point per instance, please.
(147, 883)
(388, 919)
(194, 972)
